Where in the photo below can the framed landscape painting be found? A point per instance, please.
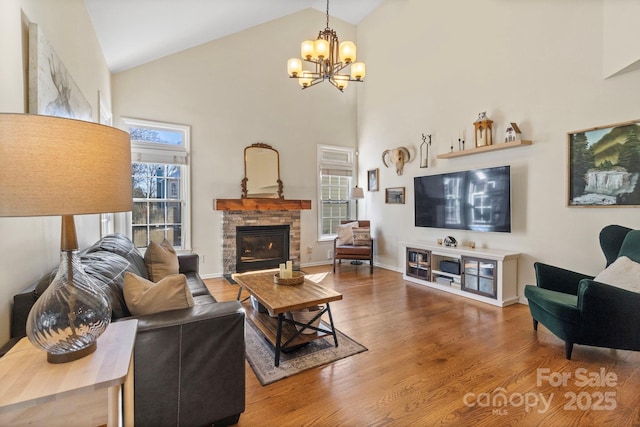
(394, 195)
(604, 166)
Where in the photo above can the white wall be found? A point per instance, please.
(31, 246)
(234, 92)
(535, 63)
(621, 36)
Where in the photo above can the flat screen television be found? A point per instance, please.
(478, 200)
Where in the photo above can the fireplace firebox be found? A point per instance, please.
(261, 247)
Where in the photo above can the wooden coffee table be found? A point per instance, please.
(279, 299)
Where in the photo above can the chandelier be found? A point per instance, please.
(330, 57)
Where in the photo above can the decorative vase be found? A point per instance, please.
(70, 315)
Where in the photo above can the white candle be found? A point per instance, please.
(289, 269)
(282, 272)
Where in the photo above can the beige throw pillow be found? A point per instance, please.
(145, 297)
(361, 236)
(622, 273)
(345, 235)
(161, 260)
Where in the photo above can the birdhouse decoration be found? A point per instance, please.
(483, 130)
(512, 133)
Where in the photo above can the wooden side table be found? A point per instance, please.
(83, 392)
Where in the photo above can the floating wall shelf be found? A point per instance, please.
(484, 149)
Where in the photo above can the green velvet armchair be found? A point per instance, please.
(579, 310)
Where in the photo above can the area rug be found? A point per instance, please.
(261, 354)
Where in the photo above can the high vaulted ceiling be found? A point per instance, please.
(133, 32)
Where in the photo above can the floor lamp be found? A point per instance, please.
(56, 166)
(356, 194)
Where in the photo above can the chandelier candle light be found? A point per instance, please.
(330, 57)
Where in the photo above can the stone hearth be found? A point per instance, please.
(233, 219)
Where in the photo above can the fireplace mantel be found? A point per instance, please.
(260, 205)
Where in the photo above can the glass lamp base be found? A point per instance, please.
(73, 355)
(70, 315)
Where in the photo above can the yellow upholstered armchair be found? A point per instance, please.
(353, 242)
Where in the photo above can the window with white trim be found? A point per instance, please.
(335, 166)
(160, 177)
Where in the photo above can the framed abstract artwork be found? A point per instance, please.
(52, 90)
(604, 166)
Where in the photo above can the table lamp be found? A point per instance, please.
(58, 166)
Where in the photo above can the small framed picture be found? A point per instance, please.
(394, 195)
(604, 166)
(372, 180)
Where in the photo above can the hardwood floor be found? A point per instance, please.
(440, 359)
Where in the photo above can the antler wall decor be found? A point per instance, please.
(397, 156)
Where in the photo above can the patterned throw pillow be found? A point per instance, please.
(361, 236)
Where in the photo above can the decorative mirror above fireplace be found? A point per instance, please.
(261, 172)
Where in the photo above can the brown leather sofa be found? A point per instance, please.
(189, 364)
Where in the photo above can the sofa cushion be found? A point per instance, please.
(107, 270)
(354, 250)
(145, 297)
(361, 236)
(196, 285)
(161, 260)
(623, 273)
(558, 304)
(121, 245)
(203, 299)
(345, 233)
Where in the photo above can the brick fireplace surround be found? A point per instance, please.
(254, 212)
